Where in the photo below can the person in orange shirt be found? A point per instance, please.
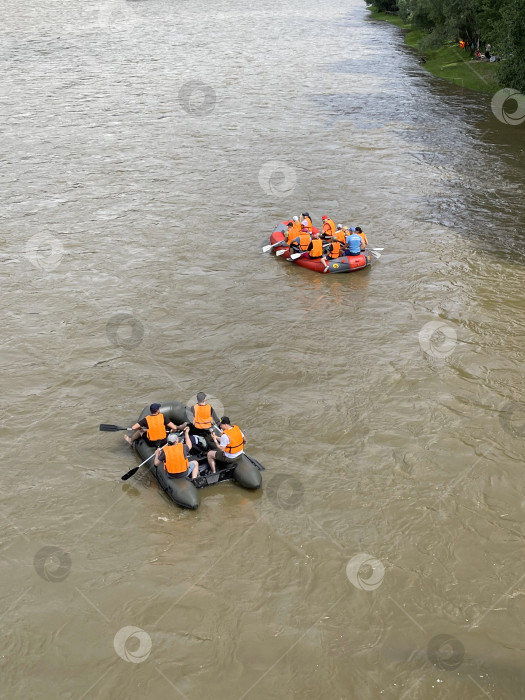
(328, 227)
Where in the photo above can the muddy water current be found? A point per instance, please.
(148, 149)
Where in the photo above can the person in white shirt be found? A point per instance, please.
(231, 445)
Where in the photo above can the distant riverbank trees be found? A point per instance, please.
(500, 23)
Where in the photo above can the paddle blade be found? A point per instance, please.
(295, 256)
(108, 428)
(130, 474)
(266, 248)
(281, 252)
(376, 255)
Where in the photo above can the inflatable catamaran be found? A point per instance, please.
(185, 491)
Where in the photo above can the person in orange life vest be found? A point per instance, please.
(336, 249)
(340, 234)
(154, 426)
(296, 225)
(291, 233)
(174, 456)
(307, 221)
(315, 249)
(328, 227)
(300, 243)
(204, 416)
(231, 446)
(364, 239)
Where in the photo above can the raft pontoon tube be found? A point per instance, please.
(347, 263)
(184, 491)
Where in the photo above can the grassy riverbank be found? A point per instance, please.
(449, 61)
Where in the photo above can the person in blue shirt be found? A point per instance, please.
(353, 244)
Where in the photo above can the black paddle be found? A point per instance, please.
(129, 474)
(135, 469)
(107, 428)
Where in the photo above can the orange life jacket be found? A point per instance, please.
(176, 462)
(291, 234)
(317, 248)
(336, 249)
(328, 227)
(340, 235)
(297, 227)
(156, 428)
(363, 237)
(310, 225)
(203, 419)
(304, 241)
(236, 440)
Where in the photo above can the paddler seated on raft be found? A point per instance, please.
(315, 249)
(300, 243)
(154, 426)
(364, 239)
(353, 243)
(292, 232)
(174, 456)
(335, 249)
(328, 227)
(306, 222)
(340, 234)
(204, 416)
(231, 446)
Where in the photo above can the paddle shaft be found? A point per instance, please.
(108, 428)
(135, 469)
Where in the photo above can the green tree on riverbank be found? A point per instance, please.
(500, 23)
(512, 38)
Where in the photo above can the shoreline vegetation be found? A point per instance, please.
(476, 44)
(448, 61)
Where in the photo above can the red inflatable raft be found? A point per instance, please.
(348, 263)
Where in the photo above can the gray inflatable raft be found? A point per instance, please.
(185, 491)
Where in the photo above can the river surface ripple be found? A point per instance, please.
(148, 149)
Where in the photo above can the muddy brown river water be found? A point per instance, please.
(148, 149)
